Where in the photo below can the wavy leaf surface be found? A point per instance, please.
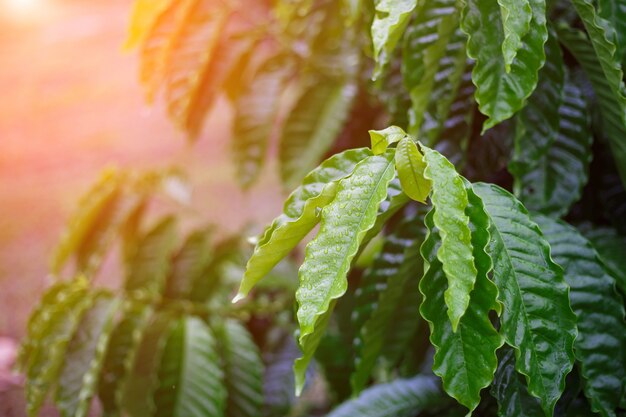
(300, 215)
(390, 21)
(610, 247)
(449, 197)
(83, 359)
(599, 311)
(411, 166)
(557, 181)
(614, 11)
(188, 265)
(465, 359)
(190, 375)
(344, 224)
(312, 126)
(501, 93)
(400, 398)
(516, 18)
(243, 370)
(537, 319)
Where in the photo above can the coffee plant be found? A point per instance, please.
(468, 258)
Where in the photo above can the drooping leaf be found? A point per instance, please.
(93, 205)
(143, 380)
(610, 247)
(425, 46)
(300, 215)
(449, 197)
(614, 11)
(344, 224)
(537, 319)
(411, 166)
(381, 297)
(557, 179)
(466, 359)
(243, 370)
(78, 380)
(598, 61)
(188, 265)
(255, 116)
(47, 354)
(190, 375)
(120, 356)
(390, 21)
(400, 398)
(537, 124)
(501, 93)
(509, 389)
(601, 343)
(150, 263)
(312, 126)
(143, 16)
(382, 139)
(516, 18)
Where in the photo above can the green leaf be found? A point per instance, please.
(47, 354)
(344, 224)
(381, 297)
(449, 197)
(256, 110)
(465, 359)
(390, 21)
(537, 319)
(501, 93)
(605, 78)
(149, 265)
(189, 265)
(425, 47)
(537, 124)
(120, 355)
(509, 389)
(78, 380)
(614, 11)
(400, 398)
(243, 370)
(516, 18)
(557, 181)
(312, 126)
(382, 139)
(610, 247)
(300, 215)
(94, 205)
(190, 375)
(143, 381)
(600, 312)
(411, 166)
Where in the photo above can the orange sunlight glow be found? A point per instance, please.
(24, 10)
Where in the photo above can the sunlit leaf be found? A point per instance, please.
(410, 165)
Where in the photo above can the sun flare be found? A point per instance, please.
(23, 9)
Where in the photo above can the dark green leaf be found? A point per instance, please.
(610, 247)
(189, 265)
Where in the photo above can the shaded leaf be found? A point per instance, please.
(189, 265)
(610, 247)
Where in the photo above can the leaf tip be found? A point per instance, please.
(240, 296)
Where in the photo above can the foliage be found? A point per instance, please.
(483, 249)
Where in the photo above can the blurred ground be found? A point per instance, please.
(71, 104)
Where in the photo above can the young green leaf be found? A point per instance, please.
(537, 124)
(190, 375)
(344, 224)
(255, 115)
(449, 197)
(516, 18)
(312, 126)
(599, 311)
(380, 299)
(509, 389)
(537, 319)
(47, 354)
(390, 20)
(556, 182)
(300, 215)
(400, 398)
(465, 359)
(410, 165)
(83, 359)
(382, 139)
(501, 93)
(243, 370)
(149, 266)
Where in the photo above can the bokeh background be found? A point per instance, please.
(70, 105)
